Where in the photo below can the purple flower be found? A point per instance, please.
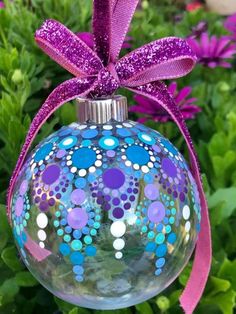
(212, 51)
(200, 28)
(2, 5)
(88, 39)
(230, 25)
(153, 110)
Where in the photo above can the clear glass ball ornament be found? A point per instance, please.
(105, 215)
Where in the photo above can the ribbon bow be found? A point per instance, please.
(99, 73)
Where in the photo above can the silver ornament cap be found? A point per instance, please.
(102, 110)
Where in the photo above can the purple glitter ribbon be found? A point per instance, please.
(99, 73)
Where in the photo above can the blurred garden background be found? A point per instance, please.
(207, 98)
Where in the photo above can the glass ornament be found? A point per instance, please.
(105, 212)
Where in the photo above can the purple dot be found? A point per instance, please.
(156, 212)
(77, 196)
(19, 206)
(127, 206)
(169, 167)
(175, 194)
(23, 187)
(57, 188)
(43, 206)
(129, 190)
(107, 198)
(51, 174)
(111, 153)
(182, 197)
(44, 197)
(77, 218)
(51, 202)
(113, 178)
(132, 198)
(135, 191)
(39, 191)
(156, 148)
(61, 153)
(51, 193)
(123, 197)
(58, 195)
(106, 206)
(151, 192)
(37, 199)
(118, 212)
(116, 201)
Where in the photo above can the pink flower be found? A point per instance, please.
(193, 6)
(2, 5)
(152, 110)
(88, 39)
(213, 51)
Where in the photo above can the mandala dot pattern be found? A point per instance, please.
(105, 216)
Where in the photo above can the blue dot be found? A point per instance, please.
(137, 155)
(108, 142)
(78, 270)
(161, 250)
(129, 140)
(90, 250)
(64, 132)
(83, 158)
(43, 152)
(141, 127)
(91, 178)
(159, 227)
(167, 144)
(106, 133)
(24, 237)
(160, 262)
(150, 247)
(171, 238)
(158, 272)
(123, 132)
(77, 234)
(64, 249)
(86, 143)
(89, 133)
(80, 183)
(76, 258)
(79, 278)
(68, 142)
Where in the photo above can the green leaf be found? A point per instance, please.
(144, 308)
(8, 290)
(228, 272)
(9, 256)
(25, 279)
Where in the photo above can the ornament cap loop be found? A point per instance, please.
(102, 110)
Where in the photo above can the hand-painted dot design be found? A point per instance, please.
(115, 200)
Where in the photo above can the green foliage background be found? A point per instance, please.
(27, 76)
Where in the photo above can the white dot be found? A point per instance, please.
(118, 255)
(145, 169)
(82, 173)
(98, 163)
(107, 127)
(136, 166)
(118, 229)
(109, 142)
(119, 244)
(42, 220)
(73, 169)
(153, 158)
(128, 125)
(42, 235)
(146, 137)
(93, 127)
(150, 164)
(82, 126)
(42, 245)
(69, 163)
(186, 212)
(40, 162)
(187, 237)
(92, 169)
(119, 126)
(187, 226)
(99, 156)
(128, 163)
(67, 141)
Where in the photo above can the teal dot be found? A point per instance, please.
(144, 229)
(173, 211)
(76, 245)
(24, 223)
(97, 217)
(171, 220)
(60, 232)
(57, 214)
(27, 216)
(93, 232)
(129, 140)
(56, 223)
(64, 249)
(168, 228)
(67, 238)
(138, 222)
(88, 239)
(151, 234)
(76, 258)
(90, 250)
(96, 225)
(160, 238)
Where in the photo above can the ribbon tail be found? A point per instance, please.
(192, 293)
(69, 90)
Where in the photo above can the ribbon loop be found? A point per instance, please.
(166, 58)
(67, 49)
